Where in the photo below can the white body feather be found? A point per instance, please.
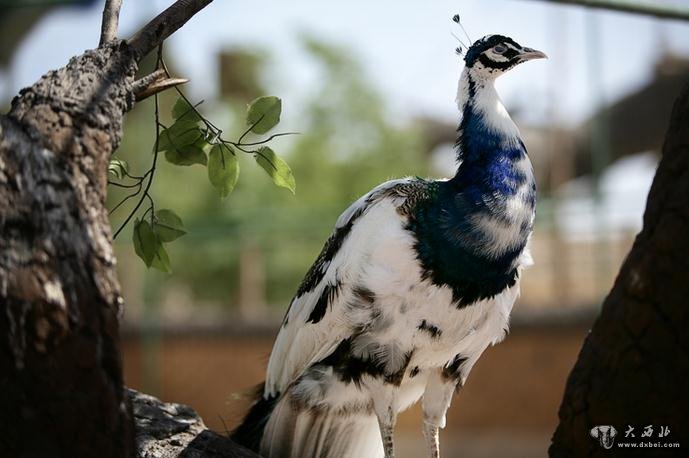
(378, 255)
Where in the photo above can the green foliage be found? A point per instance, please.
(168, 226)
(183, 142)
(276, 168)
(192, 139)
(264, 114)
(186, 155)
(118, 168)
(145, 241)
(148, 238)
(183, 111)
(223, 169)
(161, 260)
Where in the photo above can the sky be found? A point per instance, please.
(406, 47)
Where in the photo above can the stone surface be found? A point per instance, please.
(167, 430)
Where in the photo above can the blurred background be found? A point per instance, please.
(370, 87)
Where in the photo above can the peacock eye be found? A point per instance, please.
(499, 49)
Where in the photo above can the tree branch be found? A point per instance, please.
(164, 25)
(646, 8)
(111, 18)
(153, 83)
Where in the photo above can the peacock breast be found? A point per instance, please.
(471, 236)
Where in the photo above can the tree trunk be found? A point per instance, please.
(61, 388)
(633, 369)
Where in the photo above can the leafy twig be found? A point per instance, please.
(151, 171)
(185, 143)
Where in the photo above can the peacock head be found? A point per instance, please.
(493, 55)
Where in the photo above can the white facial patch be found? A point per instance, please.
(492, 55)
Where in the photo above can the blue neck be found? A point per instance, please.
(487, 150)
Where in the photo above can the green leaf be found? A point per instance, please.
(264, 114)
(168, 226)
(163, 142)
(277, 168)
(184, 133)
(161, 260)
(145, 241)
(186, 155)
(183, 110)
(180, 134)
(118, 168)
(223, 169)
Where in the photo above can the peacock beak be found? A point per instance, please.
(530, 54)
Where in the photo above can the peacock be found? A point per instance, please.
(417, 279)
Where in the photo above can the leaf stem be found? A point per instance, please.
(246, 132)
(126, 199)
(120, 185)
(266, 140)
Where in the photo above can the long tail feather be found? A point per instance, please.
(294, 432)
(277, 427)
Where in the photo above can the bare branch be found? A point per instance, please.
(647, 8)
(145, 81)
(153, 83)
(158, 86)
(164, 25)
(111, 18)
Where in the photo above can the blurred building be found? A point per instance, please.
(638, 121)
(239, 74)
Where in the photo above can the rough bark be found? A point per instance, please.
(61, 389)
(633, 369)
(168, 430)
